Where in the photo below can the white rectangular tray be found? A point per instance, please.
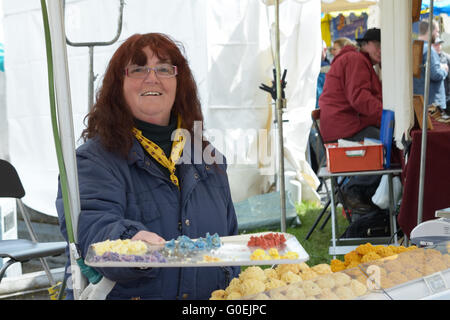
(233, 252)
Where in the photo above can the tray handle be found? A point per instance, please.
(355, 153)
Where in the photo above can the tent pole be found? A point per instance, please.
(280, 104)
(62, 123)
(424, 120)
(91, 45)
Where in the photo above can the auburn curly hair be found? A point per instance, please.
(110, 118)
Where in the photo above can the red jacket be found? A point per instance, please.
(352, 96)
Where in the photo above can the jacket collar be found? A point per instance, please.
(136, 155)
(366, 55)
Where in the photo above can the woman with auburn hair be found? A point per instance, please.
(131, 180)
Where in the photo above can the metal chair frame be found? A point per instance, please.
(315, 116)
(22, 250)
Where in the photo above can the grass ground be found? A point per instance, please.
(318, 243)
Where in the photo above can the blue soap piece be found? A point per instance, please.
(170, 244)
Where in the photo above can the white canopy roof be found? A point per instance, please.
(342, 5)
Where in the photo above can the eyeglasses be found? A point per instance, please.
(163, 70)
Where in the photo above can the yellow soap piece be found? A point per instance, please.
(322, 268)
(274, 254)
(260, 254)
(383, 251)
(290, 277)
(207, 258)
(137, 247)
(365, 248)
(351, 257)
(253, 272)
(370, 256)
(121, 247)
(271, 273)
(218, 295)
(272, 283)
(291, 255)
(102, 247)
(337, 265)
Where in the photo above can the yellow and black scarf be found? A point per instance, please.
(158, 154)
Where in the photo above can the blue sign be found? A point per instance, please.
(351, 27)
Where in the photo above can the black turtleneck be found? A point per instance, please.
(161, 135)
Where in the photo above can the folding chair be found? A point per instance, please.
(22, 250)
(315, 116)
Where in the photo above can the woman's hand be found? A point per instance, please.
(150, 237)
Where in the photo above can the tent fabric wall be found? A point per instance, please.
(397, 64)
(228, 46)
(4, 150)
(3, 115)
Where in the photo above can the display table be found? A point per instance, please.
(402, 274)
(437, 177)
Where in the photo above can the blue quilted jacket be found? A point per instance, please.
(120, 197)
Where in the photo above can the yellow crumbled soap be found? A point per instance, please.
(274, 254)
(370, 256)
(291, 255)
(121, 247)
(259, 254)
(365, 248)
(383, 251)
(337, 265)
(352, 256)
(207, 258)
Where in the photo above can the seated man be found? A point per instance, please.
(351, 102)
(351, 106)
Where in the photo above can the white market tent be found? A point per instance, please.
(214, 33)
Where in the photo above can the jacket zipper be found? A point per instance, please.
(227, 275)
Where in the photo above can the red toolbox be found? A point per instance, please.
(348, 159)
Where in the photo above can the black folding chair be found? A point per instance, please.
(315, 116)
(22, 250)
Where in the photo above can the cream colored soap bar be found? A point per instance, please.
(121, 247)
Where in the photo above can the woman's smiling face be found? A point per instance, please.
(151, 99)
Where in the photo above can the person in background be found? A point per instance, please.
(340, 43)
(132, 183)
(324, 67)
(351, 107)
(351, 102)
(438, 72)
(445, 64)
